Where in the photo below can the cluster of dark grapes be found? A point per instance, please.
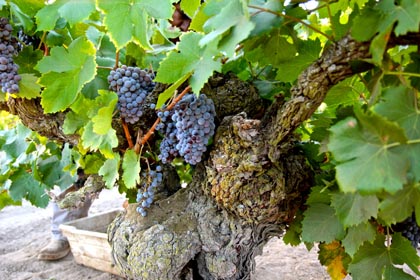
(187, 128)
(410, 230)
(132, 85)
(28, 40)
(9, 77)
(146, 193)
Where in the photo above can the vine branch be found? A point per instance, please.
(292, 19)
(151, 131)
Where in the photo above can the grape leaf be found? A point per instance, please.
(370, 257)
(27, 59)
(367, 162)
(403, 253)
(308, 52)
(127, 20)
(25, 186)
(169, 92)
(353, 208)
(377, 257)
(189, 7)
(399, 106)
(392, 273)
(6, 200)
(333, 256)
(189, 57)
(65, 72)
(357, 235)
(321, 224)
(396, 208)
(102, 120)
(232, 20)
(25, 19)
(109, 170)
(104, 143)
(131, 168)
(28, 88)
(73, 11)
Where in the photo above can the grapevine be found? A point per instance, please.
(9, 77)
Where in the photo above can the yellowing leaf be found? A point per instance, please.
(332, 256)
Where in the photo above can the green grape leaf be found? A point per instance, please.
(357, 235)
(27, 59)
(189, 57)
(370, 257)
(76, 11)
(103, 143)
(321, 224)
(25, 19)
(127, 20)
(353, 209)
(232, 20)
(402, 252)
(308, 52)
(169, 92)
(6, 200)
(109, 171)
(28, 87)
(73, 11)
(319, 194)
(414, 67)
(25, 186)
(399, 106)
(73, 122)
(396, 208)
(102, 120)
(292, 235)
(392, 273)
(367, 161)
(189, 7)
(51, 172)
(131, 168)
(366, 24)
(65, 72)
(376, 257)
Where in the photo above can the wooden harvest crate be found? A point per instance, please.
(89, 241)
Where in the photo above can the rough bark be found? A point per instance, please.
(197, 231)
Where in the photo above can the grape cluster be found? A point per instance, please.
(146, 193)
(9, 77)
(187, 128)
(132, 86)
(28, 40)
(410, 230)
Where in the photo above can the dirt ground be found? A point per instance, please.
(24, 230)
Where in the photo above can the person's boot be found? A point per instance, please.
(55, 250)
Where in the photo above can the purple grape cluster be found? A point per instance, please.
(410, 230)
(187, 128)
(146, 193)
(9, 77)
(132, 86)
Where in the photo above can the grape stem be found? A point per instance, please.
(127, 133)
(141, 141)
